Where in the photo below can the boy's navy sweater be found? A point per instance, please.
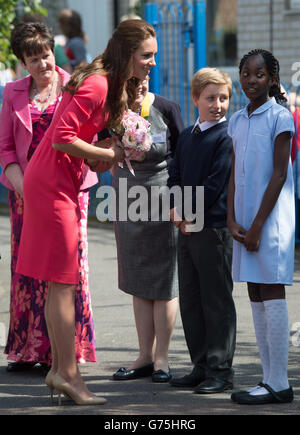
(204, 159)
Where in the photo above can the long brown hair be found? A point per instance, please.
(117, 64)
(70, 23)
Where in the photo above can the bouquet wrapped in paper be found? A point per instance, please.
(134, 134)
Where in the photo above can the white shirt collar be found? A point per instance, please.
(207, 124)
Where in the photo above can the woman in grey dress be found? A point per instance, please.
(146, 250)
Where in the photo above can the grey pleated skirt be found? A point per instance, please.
(147, 250)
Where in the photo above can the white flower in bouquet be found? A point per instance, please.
(134, 134)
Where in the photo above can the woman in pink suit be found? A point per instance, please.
(96, 96)
(28, 109)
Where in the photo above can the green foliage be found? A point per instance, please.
(10, 10)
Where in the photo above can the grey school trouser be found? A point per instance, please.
(206, 303)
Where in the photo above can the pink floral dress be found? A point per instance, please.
(28, 339)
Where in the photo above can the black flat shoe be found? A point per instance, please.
(188, 381)
(20, 366)
(161, 376)
(43, 368)
(124, 374)
(213, 385)
(240, 393)
(284, 396)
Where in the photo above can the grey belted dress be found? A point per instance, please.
(146, 249)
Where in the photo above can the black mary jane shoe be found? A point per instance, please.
(124, 374)
(161, 376)
(284, 396)
(213, 386)
(240, 393)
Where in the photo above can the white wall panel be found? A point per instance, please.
(97, 18)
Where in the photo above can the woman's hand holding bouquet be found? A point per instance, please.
(134, 134)
(118, 155)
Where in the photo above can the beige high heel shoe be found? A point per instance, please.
(49, 383)
(63, 387)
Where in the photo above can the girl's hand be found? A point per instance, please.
(252, 238)
(237, 231)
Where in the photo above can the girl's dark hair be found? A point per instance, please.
(117, 64)
(31, 39)
(273, 68)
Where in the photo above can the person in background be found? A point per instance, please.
(70, 24)
(7, 75)
(149, 273)
(293, 101)
(28, 108)
(61, 59)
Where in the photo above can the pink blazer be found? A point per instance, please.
(16, 129)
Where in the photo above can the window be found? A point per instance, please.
(221, 32)
(293, 4)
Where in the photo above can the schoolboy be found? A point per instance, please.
(203, 158)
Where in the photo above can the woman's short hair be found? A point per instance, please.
(30, 39)
(208, 76)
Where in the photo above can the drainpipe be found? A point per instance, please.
(199, 34)
(116, 13)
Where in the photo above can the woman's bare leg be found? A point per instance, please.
(54, 365)
(143, 313)
(164, 313)
(61, 317)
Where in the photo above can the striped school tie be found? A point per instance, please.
(197, 130)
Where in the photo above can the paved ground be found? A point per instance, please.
(117, 346)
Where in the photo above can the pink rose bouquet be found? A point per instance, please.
(134, 134)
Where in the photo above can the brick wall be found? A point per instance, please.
(254, 32)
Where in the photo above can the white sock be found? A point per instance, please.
(260, 326)
(278, 332)
(257, 390)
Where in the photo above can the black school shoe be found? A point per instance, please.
(284, 396)
(124, 374)
(213, 385)
(189, 381)
(161, 376)
(20, 366)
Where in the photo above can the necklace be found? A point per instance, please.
(37, 95)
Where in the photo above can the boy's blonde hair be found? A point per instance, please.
(208, 76)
